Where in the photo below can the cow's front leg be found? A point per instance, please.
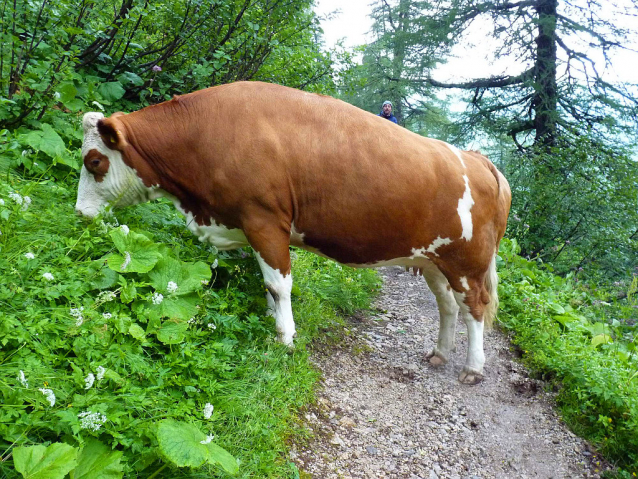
(472, 372)
(271, 249)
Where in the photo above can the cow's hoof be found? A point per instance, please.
(470, 377)
(435, 359)
(288, 340)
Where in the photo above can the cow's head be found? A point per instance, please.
(105, 177)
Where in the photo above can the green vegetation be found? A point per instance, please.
(116, 322)
(582, 341)
(111, 342)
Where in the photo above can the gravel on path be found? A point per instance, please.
(384, 412)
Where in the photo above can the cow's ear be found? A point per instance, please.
(111, 133)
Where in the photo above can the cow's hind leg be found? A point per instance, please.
(472, 372)
(448, 312)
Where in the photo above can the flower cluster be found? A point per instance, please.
(77, 314)
(208, 439)
(23, 380)
(215, 264)
(49, 395)
(157, 298)
(212, 326)
(89, 380)
(124, 229)
(91, 420)
(100, 373)
(106, 296)
(107, 315)
(208, 410)
(48, 276)
(171, 287)
(29, 255)
(23, 201)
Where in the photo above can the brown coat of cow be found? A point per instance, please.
(290, 167)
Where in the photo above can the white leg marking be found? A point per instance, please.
(465, 205)
(448, 312)
(279, 287)
(475, 354)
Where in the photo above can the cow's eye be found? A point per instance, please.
(95, 162)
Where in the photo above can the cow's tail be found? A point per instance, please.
(491, 285)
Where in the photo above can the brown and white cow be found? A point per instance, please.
(263, 165)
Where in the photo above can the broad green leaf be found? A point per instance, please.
(187, 276)
(222, 457)
(139, 254)
(136, 331)
(111, 91)
(98, 461)
(180, 443)
(40, 462)
(600, 339)
(45, 140)
(67, 91)
(597, 328)
(181, 307)
(128, 293)
(130, 77)
(557, 308)
(171, 332)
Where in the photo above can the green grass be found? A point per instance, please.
(158, 365)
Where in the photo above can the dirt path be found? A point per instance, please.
(384, 413)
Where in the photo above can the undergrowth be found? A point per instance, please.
(583, 341)
(116, 337)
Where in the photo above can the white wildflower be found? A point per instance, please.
(204, 282)
(191, 321)
(106, 296)
(157, 298)
(91, 420)
(56, 95)
(26, 202)
(29, 255)
(16, 197)
(171, 287)
(208, 410)
(207, 440)
(127, 260)
(215, 264)
(76, 312)
(48, 276)
(1, 202)
(23, 380)
(212, 326)
(124, 229)
(101, 371)
(49, 395)
(107, 315)
(79, 321)
(89, 380)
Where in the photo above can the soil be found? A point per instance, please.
(384, 412)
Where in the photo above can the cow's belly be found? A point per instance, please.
(218, 235)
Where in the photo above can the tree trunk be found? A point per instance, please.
(398, 57)
(546, 96)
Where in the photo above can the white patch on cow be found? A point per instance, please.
(457, 152)
(120, 186)
(464, 283)
(279, 287)
(296, 238)
(465, 205)
(421, 252)
(216, 234)
(448, 311)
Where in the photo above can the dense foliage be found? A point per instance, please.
(582, 340)
(107, 332)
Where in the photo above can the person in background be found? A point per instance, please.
(386, 112)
